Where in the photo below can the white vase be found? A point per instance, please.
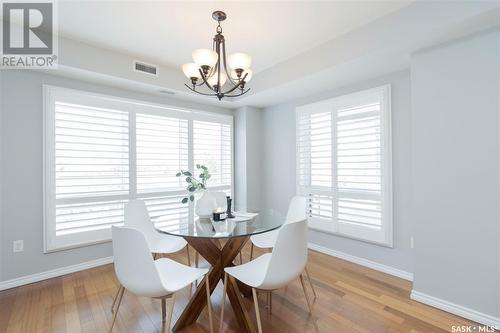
(205, 205)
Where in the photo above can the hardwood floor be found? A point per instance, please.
(351, 299)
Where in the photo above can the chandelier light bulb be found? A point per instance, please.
(213, 79)
(204, 57)
(239, 60)
(249, 73)
(191, 70)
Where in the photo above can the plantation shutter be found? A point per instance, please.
(102, 151)
(314, 153)
(343, 164)
(162, 149)
(212, 147)
(91, 168)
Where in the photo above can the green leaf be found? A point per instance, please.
(187, 173)
(188, 179)
(202, 175)
(178, 174)
(191, 188)
(191, 197)
(184, 200)
(198, 166)
(204, 167)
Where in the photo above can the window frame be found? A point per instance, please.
(51, 94)
(385, 237)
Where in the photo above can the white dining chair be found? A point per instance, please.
(137, 216)
(296, 212)
(140, 274)
(274, 270)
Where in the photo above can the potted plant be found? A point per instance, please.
(206, 204)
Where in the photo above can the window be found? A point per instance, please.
(344, 164)
(102, 151)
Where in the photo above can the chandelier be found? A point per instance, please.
(216, 71)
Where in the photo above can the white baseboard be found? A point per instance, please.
(7, 284)
(363, 262)
(456, 309)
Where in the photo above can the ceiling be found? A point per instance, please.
(299, 48)
(166, 32)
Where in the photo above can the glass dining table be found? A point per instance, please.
(219, 242)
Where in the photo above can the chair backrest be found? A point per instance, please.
(297, 209)
(220, 199)
(134, 265)
(137, 216)
(289, 256)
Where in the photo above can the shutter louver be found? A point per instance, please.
(315, 162)
(212, 147)
(343, 164)
(91, 163)
(167, 209)
(162, 150)
(359, 165)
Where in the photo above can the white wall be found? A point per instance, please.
(456, 172)
(1, 166)
(278, 170)
(21, 173)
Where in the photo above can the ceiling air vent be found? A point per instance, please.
(145, 68)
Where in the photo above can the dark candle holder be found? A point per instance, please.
(229, 214)
(218, 216)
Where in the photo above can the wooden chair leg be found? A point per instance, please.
(305, 293)
(163, 310)
(170, 311)
(223, 301)
(310, 283)
(119, 301)
(196, 259)
(188, 255)
(251, 252)
(209, 304)
(115, 298)
(241, 259)
(257, 314)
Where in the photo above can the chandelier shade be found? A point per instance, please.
(239, 61)
(204, 57)
(212, 69)
(191, 70)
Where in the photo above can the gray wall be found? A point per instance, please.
(240, 159)
(247, 158)
(22, 176)
(278, 170)
(456, 151)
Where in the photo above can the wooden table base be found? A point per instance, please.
(219, 258)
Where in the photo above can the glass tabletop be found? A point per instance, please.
(244, 224)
